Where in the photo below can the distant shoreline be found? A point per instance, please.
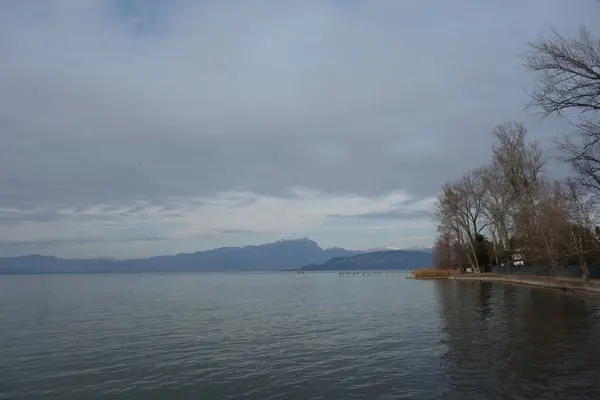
(292, 254)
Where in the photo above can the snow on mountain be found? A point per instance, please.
(420, 248)
(387, 248)
(381, 249)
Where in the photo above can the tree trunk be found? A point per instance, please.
(495, 252)
(585, 270)
(474, 261)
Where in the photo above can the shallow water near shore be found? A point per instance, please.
(278, 335)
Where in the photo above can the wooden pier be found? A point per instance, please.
(371, 273)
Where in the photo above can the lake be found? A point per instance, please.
(282, 336)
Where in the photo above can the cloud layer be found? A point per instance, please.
(184, 224)
(172, 106)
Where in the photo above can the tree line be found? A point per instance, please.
(511, 210)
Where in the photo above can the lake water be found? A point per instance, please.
(282, 336)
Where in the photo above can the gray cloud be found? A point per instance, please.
(391, 214)
(76, 214)
(338, 97)
(11, 244)
(233, 231)
(398, 211)
(112, 102)
(243, 203)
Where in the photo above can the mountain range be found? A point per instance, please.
(281, 255)
(377, 260)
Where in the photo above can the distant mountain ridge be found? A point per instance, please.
(283, 254)
(377, 260)
(426, 249)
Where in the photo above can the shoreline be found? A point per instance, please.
(577, 285)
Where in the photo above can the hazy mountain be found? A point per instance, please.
(426, 249)
(386, 248)
(284, 254)
(379, 260)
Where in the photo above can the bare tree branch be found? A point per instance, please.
(568, 72)
(568, 80)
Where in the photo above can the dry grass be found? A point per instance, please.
(433, 273)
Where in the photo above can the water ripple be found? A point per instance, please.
(274, 336)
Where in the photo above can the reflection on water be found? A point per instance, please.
(508, 341)
(279, 336)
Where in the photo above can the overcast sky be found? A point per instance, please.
(141, 127)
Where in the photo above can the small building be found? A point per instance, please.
(517, 259)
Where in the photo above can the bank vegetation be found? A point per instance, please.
(512, 211)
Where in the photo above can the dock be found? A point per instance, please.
(371, 273)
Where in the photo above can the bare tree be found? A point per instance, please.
(549, 233)
(568, 72)
(582, 240)
(582, 151)
(498, 208)
(568, 84)
(521, 161)
(443, 252)
(446, 213)
(518, 166)
(460, 212)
